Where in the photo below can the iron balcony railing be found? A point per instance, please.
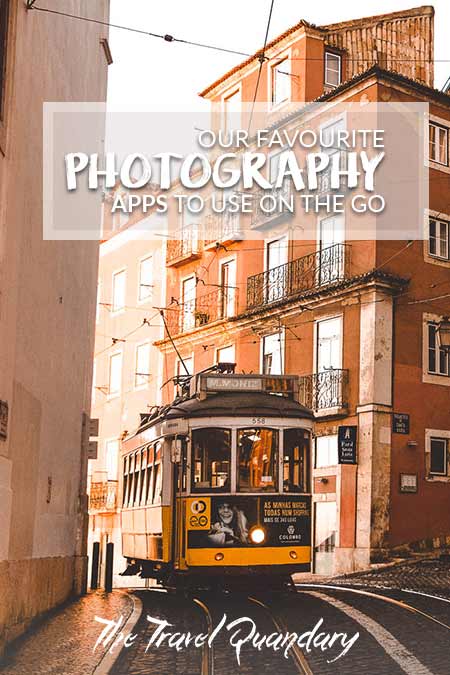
(318, 269)
(266, 210)
(185, 246)
(222, 228)
(325, 390)
(218, 304)
(103, 496)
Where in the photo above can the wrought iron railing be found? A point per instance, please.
(325, 390)
(321, 268)
(185, 245)
(266, 210)
(103, 496)
(218, 304)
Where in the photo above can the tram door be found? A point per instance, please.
(324, 537)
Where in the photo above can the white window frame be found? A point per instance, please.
(230, 94)
(115, 274)
(272, 65)
(427, 375)
(141, 385)
(231, 299)
(148, 297)
(182, 282)
(117, 393)
(282, 337)
(442, 128)
(329, 464)
(179, 368)
(437, 434)
(339, 57)
(108, 441)
(322, 319)
(438, 222)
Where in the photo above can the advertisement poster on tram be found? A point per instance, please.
(229, 520)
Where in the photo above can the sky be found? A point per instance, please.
(150, 71)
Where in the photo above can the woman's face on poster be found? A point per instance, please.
(225, 513)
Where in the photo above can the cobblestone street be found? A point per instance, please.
(62, 643)
(401, 613)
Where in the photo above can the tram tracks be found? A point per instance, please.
(208, 658)
(378, 596)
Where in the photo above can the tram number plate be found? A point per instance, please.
(258, 420)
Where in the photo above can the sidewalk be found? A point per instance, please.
(62, 643)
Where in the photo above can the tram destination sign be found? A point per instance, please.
(347, 441)
(284, 384)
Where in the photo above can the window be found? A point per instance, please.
(112, 458)
(296, 461)
(188, 302)
(276, 276)
(211, 460)
(226, 355)
(281, 81)
(115, 374)
(438, 359)
(227, 288)
(332, 69)
(145, 279)
(438, 239)
(329, 350)
(118, 291)
(257, 459)
(326, 451)
(272, 357)
(4, 17)
(142, 373)
(438, 456)
(438, 138)
(231, 111)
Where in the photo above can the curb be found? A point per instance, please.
(108, 660)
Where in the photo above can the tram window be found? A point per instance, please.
(130, 480)
(125, 480)
(148, 494)
(211, 459)
(158, 484)
(296, 460)
(257, 459)
(137, 466)
(143, 476)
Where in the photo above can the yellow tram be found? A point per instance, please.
(218, 482)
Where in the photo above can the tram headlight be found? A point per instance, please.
(257, 535)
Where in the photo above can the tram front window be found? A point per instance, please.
(257, 459)
(296, 460)
(211, 451)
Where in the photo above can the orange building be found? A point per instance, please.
(356, 319)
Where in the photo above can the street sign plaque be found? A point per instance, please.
(400, 423)
(347, 440)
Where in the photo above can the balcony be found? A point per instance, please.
(325, 393)
(222, 228)
(201, 311)
(281, 196)
(103, 496)
(312, 271)
(185, 247)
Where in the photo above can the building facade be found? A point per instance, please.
(47, 310)
(357, 320)
(127, 375)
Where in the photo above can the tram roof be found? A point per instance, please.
(238, 404)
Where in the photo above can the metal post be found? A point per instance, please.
(95, 564)
(109, 567)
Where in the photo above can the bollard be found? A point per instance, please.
(95, 564)
(109, 567)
